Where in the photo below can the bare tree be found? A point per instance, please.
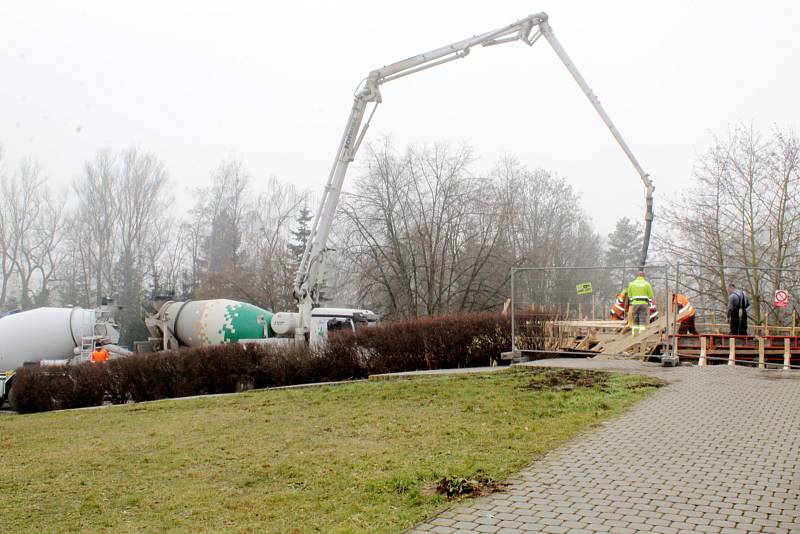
(42, 253)
(410, 213)
(97, 220)
(140, 197)
(237, 241)
(784, 201)
(8, 239)
(173, 262)
(429, 235)
(741, 220)
(219, 217)
(193, 235)
(271, 262)
(158, 256)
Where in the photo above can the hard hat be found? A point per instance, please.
(640, 273)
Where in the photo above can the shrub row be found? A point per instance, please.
(162, 375)
(433, 342)
(437, 342)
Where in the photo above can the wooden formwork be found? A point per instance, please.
(604, 338)
(770, 346)
(613, 339)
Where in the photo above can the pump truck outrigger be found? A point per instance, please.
(307, 283)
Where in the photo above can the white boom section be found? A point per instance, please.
(306, 283)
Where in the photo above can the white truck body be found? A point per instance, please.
(52, 335)
(48, 334)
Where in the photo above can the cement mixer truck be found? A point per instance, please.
(197, 323)
(55, 335)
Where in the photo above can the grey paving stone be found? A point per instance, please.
(531, 527)
(713, 452)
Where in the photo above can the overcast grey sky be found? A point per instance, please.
(271, 83)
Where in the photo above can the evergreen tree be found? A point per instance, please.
(300, 234)
(624, 248)
(297, 245)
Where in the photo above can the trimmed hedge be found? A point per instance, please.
(433, 342)
(437, 342)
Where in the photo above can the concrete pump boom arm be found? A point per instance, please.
(308, 278)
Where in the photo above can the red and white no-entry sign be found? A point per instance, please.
(781, 298)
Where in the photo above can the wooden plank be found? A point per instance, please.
(787, 355)
(756, 328)
(592, 324)
(761, 353)
(672, 312)
(703, 348)
(625, 344)
(732, 351)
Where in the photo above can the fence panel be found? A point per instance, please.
(571, 293)
(706, 287)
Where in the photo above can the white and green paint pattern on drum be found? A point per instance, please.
(214, 322)
(241, 322)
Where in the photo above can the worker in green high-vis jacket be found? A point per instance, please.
(640, 294)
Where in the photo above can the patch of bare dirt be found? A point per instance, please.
(647, 383)
(553, 379)
(566, 379)
(457, 488)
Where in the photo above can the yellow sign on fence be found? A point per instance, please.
(584, 288)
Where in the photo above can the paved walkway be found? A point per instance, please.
(716, 451)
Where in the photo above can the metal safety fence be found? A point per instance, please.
(557, 309)
(542, 296)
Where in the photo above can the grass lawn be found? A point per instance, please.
(350, 458)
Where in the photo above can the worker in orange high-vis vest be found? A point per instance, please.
(617, 310)
(684, 314)
(99, 354)
(652, 310)
(619, 307)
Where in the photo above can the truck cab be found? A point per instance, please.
(325, 320)
(5, 386)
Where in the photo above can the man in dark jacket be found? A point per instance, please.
(738, 302)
